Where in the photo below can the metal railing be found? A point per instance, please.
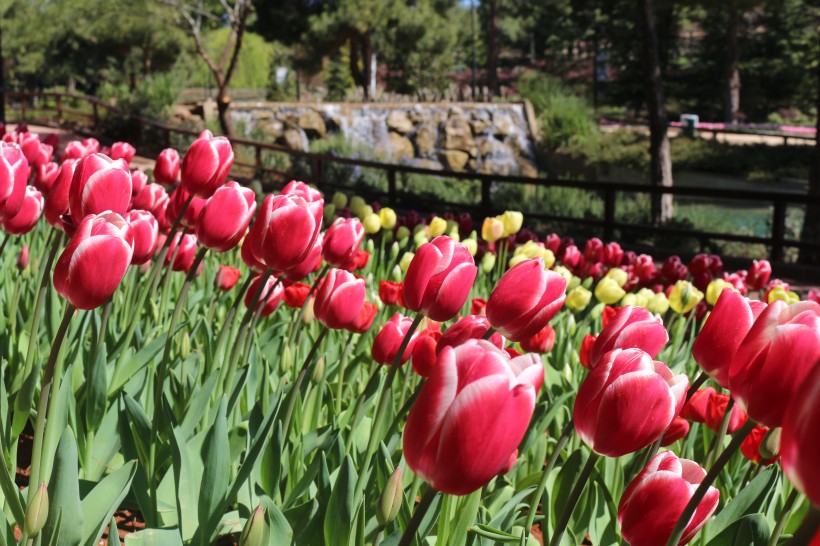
(485, 205)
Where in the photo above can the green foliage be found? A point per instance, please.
(338, 80)
(251, 69)
(563, 117)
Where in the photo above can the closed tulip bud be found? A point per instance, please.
(253, 534)
(99, 239)
(14, 171)
(658, 303)
(206, 164)
(492, 230)
(512, 221)
(285, 230)
(390, 292)
(438, 226)
(391, 498)
(124, 151)
(318, 371)
(471, 415)
(716, 411)
(23, 258)
(405, 261)
(630, 327)
(608, 292)
(328, 213)
(271, 295)
(339, 299)
(684, 297)
(402, 234)
(578, 298)
(339, 200)
(420, 238)
(138, 181)
(146, 235)
(388, 341)
(752, 446)
(722, 333)
(439, 279)
(654, 501)
(396, 274)
(307, 314)
(226, 277)
(630, 299)
(525, 300)
(356, 205)
(770, 446)
(757, 378)
(152, 198)
(471, 245)
(166, 168)
(99, 184)
(183, 258)
(466, 328)
(759, 274)
(541, 342)
(28, 215)
(780, 293)
(296, 294)
(618, 275)
(627, 402)
(387, 217)
(37, 512)
(185, 346)
(584, 351)
(341, 241)
(225, 216)
(676, 431)
(488, 262)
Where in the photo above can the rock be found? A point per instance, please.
(502, 125)
(295, 138)
(458, 135)
(426, 136)
(455, 160)
(427, 164)
(312, 124)
(401, 146)
(399, 122)
(273, 128)
(479, 125)
(526, 168)
(261, 114)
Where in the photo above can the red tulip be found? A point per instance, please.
(775, 359)
(466, 328)
(677, 430)
(250, 259)
(124, 151)
(478, 306)
(721, 335)
(226, 277)
(472, 413)
(674, 270)
(138, 181)
(525, 299)
(225, 217)
(439, 279)
(166, 168)
(300, 189)
(586, 348)
(310, 264)
(751, 446)
(56, 204)
(176, 201)
(630, 327)
(627, 402)
(653, 502)
(93, 264)
(613, 254)
(364, 320)
(800, 443)
(553, 242)
(359, 260)
(14, 171)
(272, 294)
(296, 294)
(645, 268)
(184, 258)
(759, 273)
(390, 292)
(425, 355)
(152, 198)
(146, 234)
(542, 342)
(387, 342)
(737, 280)
(99, 184)
(339, 299)
(285, 230)
(206, 164)
(594, 251)
(571, 256)
(28, 215)
(45, 176)
(716, 411)
(698, 405)
(341, 241)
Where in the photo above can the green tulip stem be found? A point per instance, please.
(784, 517)
(808, 529)
(542, 484)
(340, 383)
(300, 315)
(297, 385)
(4, 243)
(427, 499)
(51, 382)
(226, 324)
(714, 471)
(573, 499)
(381, 410)
(489, 333)
(404, 409)
(721, 434)
(696, 384)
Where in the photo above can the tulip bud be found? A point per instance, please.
(206, 164)
(225, 217)
(402, 233)
(404, 263)
(23, 258)
(770, 446)
(339, 200)
(185, 346)
(318, 371)
(387, 217)
(471, 245)
(488, 262)
(396, 273)
(356, 205)
(658, 303)
(684, 297)
(608, 292)
(166, 168)
(390, 500)
(492, 230)
(253, 534)
(339, 299)
(99, 184)
(437, 226)
(366, 211)
(37, 512)
(618, 275)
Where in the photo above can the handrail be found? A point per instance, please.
(609, 190)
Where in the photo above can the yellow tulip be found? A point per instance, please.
(364, 212)
(684, 297)
(472, 246)
(578, 298)
(339, 200)
(715, 288)
(492, 230)
(402, 233)
(437, 226)
(780, 293)
(356, 204)
(512, 221)
(372, 223)
(387, 216)
(607, 291)
(515, 260)
(564, 272)
(643, 296)
(618, 275)
(658, 303)
(488, 262)
(406, 258)
(629, 299)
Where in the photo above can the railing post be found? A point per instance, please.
(391, 187)
(317, 170)
(23, 100)
(609, 215)
(778, 231)
(167, 138)
(95, 110)
(59, 108)
(258, 153)
(486, 199)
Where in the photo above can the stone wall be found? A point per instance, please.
(489, 138)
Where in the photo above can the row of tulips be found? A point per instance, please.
(542, 379)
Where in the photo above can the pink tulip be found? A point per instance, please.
(184, 258)
(300, 189)
(775, 359)
(124, 151)
(226, 277)
(759, 274)
(146, 234)
(176, 201)
(138, 181)
(272, 295)
(627, 402)
(225, 217)
(152, 198)
(311, 263)
(525, 299)
(721, 335)
(653, 502)
(630, 327)
(250, 259)
(45, 176)
(387, 342)
(439, 279)
(285, 230)
(645, 268)
(341, 241)
(28, 215)
(613, 254)
(466, 328)
(571, 256)
(75, 150)
(93, 264)
(206, 164)
(57, 199)
(166, 167)
(339, 299)
(800, 443)
(471, 415)
(14, 171)
(99, 184)
(594, 251)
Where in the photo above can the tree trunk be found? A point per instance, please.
(355, 70)
(223, 102)
(661, 159)
(367, 65)
(492, 49)
(731, 104)
(811, 224)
